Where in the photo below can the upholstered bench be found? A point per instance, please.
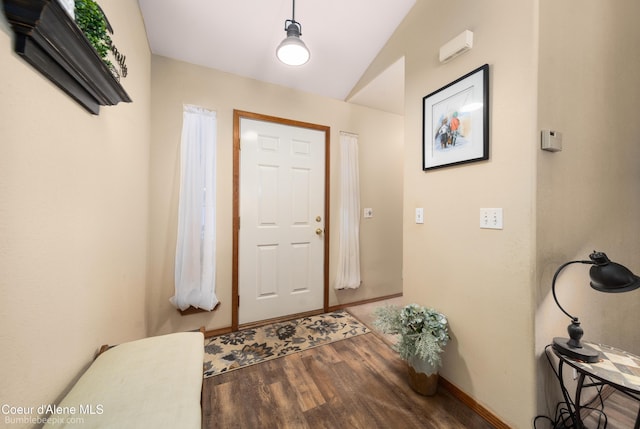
(154, 382)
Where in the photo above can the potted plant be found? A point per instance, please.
(91, 19)
(423, 333)
(92, 22)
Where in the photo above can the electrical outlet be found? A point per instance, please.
(491, 218)
(368, 213)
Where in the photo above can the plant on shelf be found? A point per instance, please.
(91, 19)
(423, 332)
(92, 22)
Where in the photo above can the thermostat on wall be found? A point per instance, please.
(551, 141)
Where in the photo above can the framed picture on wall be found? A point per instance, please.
(455, 122)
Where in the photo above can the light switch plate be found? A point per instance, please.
(491, 218)
(419, 215)
(368, 213)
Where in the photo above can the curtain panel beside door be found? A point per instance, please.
(195, 266)
(348, 273)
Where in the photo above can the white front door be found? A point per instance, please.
(281, 208)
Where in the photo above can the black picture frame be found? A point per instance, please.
(455, 122)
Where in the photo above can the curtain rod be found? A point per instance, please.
(346, 133)
(196, 109)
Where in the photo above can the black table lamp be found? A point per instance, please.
(606, 276)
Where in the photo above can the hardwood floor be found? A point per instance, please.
(621, 413)
(353, 383)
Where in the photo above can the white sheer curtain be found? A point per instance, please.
(348, 275)
(195, 267)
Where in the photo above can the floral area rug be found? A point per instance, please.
(236, 350)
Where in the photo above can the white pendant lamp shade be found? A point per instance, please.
(292, 50)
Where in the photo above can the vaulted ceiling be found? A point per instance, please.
(240, 37)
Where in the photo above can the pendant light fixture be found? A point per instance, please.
(292, 50)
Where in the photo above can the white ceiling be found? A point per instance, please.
(240, 37)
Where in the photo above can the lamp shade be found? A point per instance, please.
(607, 276)
(292, 50)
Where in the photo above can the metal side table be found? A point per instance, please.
(616, 368)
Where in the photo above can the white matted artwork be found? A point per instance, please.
(456, 122)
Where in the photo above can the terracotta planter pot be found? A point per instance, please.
(423, 377)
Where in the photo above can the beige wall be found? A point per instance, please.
(495, 285)
(176, 83)
(588, 194)
(482, 279)
(84, 197)
(73, 219)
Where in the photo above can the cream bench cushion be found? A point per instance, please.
(154, 382)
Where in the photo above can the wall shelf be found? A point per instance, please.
(48, 39)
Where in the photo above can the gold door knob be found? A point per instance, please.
(319, 231)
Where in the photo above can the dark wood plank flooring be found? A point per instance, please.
(354, 383)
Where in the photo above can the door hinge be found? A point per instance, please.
(238, 300)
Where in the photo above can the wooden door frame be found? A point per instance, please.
(237, 116)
